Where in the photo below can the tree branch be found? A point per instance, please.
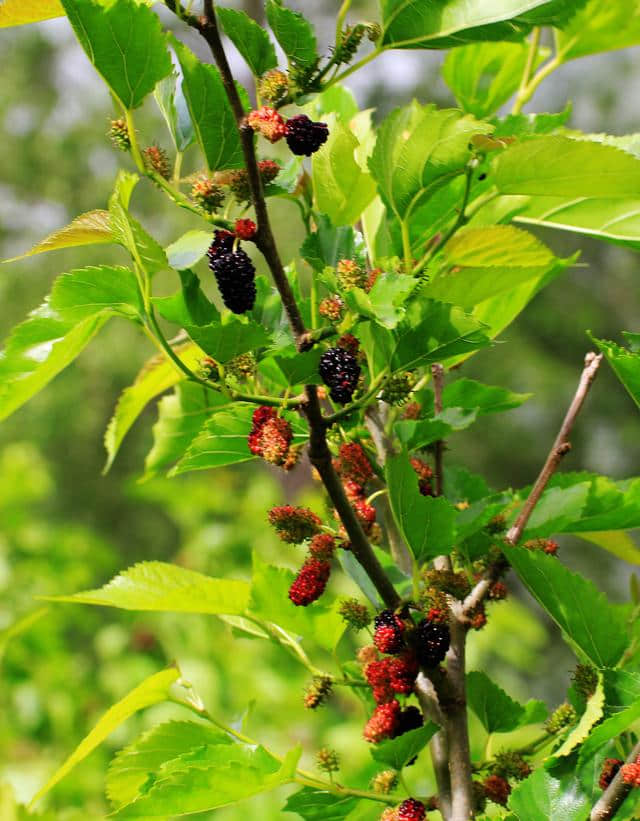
(439, 747)
(319, 453)
(612, 798)
(462, 802)
(560, 448)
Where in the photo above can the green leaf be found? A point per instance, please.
(398, 752)
(433, 332)
(595, 628)
(171, 102)
(541, 797)
(270, 602)
(181, 416)
(211, 776)
(472, 395)
(415, 24)
(385, 302)
(552, 166)
(152, 690)
(189, 305)
(294, 34)
(327, 245)
(616, 542)
(336, 99)
(601, 26)
(204, 92)
(125, 42)
(188, 249)
(158, 375)
(419, 149)
(342, 189)
(229, 338)
(483, 76)
(480, 263)
(92, 228)
(249, 38)
(611, 727)
(85, 292)
(166, 588)
(297, 369)
(318, 805)
(427, 523)
(625, 364)
(221, 441)
(132, 767)
(591, 716)
(497, 711)
(19, 12)
(127, 231)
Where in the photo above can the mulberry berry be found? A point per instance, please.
(402, 672)
(235, 275)
(274, 440)
(260, 417)
(331, 308)
(631, 773)
(510, 764)
(156, 159)
(207, 194)
(349, 343)
(563, 716)
(355, 613)
(294, 524)
(610, 769)
(339, 370)
(412, 810)
(366, 514)
(268, 122)
(425, 475)
(245, 229)
(242, 366)
(497, 789)
(317, 692)
(304, 137)
(389, 629)
(585, 678)
(385, 782)
(412, 411)
(350, 275)
(327, 760)
(322, 546)
(398, 388)
(431, 641)
(382, 723)
(222, 244)
(498, 591)
(119, 134)
(408, 719)
(310, 582)
(269, 170)
(273, 86)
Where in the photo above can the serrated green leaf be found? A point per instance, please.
(181, 416)
(85, 292)
(127, 231)
(221, 441)
(132, 766)
(209, 777)
(298, 369)
(611, 727)
(481, 263)
(327, 245)
(484, 399)
(483, 76)
(158, 375)
(166, 588)
(188, 249)
(542, 796)
(625, 364)
(92, 228)
(616, 542)
(595, 628)
(294, 34)
(419, 149)
(172, 104)
(152, 690)
(398, 752)
(188, 306)
(601, 26)
(385, 302)
(318, 805)
(497, 711)
(249, 38)
(555, 166)
(125, 42)
(591, 716)
(229, 338)
(341, 188)
(427, 523)
(203, 90)
(19, 12)
(318, 622)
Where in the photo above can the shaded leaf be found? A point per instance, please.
(249, 38)
(327, 244)
(229, 338)
(172, 104)
(497, 711)
(591, 716)
(398, 752)
(221, 441)
(92, 228)
(625, 364)
(318, 805)
(294, 34)
(385, 302)
(542, 796)
(469, 394)
(189, 305)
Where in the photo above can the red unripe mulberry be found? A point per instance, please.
(389, 629)
(352, 464)
(412, 810)
(268, 122)
(497, 789)
(294, 524)
(610, 769)
(382, 723)
(310, 582)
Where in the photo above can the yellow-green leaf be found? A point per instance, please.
(91, 228)
(19, 12)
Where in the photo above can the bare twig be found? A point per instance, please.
(612, 798)
(319, 453)
(439, 748)
(560, 448)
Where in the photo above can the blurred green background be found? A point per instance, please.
(65, 527)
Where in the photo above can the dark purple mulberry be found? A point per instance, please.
(431, 642)
(235, 275)
(304, 137)
(339, 370)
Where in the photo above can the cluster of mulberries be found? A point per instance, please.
(547, 546)
(631, 773)
(340, 371)
(234, 272)
(304, 136)
(425, 474)
(391, 676)
(497, 789)
(610, 769)
(354, 469)
(294, 524)
(327, 760)
(270, 436)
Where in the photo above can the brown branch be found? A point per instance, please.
(319, 453)
(439, 747)
(612, 798)
(462, 801)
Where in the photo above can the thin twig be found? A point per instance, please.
(560, 448)
(612, 798)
